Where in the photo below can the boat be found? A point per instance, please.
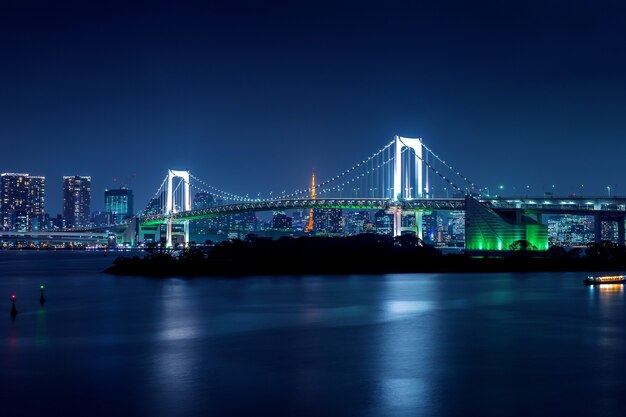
(604, 279)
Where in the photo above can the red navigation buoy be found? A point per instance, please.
(13, 309)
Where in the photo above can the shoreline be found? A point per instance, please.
(361, 254)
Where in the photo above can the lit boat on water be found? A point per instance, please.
(605, 279)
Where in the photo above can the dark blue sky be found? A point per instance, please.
(250, 96)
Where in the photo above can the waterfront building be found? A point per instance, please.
(118, 202)
(22, 201)
(572, 230)
(486, 230)
(76, 200)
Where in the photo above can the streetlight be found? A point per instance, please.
(446, 190)
(527, 190)
(608, 188)
(552, 190)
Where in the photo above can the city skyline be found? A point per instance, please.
(505, 93)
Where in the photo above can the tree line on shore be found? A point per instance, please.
(360, 254)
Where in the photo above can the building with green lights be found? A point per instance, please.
(119, 202)
(486, 230)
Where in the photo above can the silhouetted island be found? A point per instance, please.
(362, 254)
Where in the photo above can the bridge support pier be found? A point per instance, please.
(397, 223)
(168, 234)
(620, 231)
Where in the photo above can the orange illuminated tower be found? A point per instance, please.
(309, 226)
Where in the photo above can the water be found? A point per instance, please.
(391, 345)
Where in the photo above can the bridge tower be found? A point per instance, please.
(413, 176)
(177, 201)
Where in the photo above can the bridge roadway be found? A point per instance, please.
(602, 207)
(533, 205)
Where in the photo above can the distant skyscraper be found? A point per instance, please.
(327, 220)
(76, 200)
(457, 227)
(119, 202)
(22, 201)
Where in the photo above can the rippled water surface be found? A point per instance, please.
(386, 345)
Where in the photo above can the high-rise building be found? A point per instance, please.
(327, 220)
(76, 200)
(22, 201)
(118, 202)
(383, 222)
(457, 227)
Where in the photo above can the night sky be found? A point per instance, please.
(250, 96)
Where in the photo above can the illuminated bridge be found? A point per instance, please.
(403, 178)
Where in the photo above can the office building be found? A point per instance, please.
(118, 202)
(76, 200)
(327, 221)
(23, 198)
(383, 222)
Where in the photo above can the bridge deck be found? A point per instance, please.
(575, 205)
